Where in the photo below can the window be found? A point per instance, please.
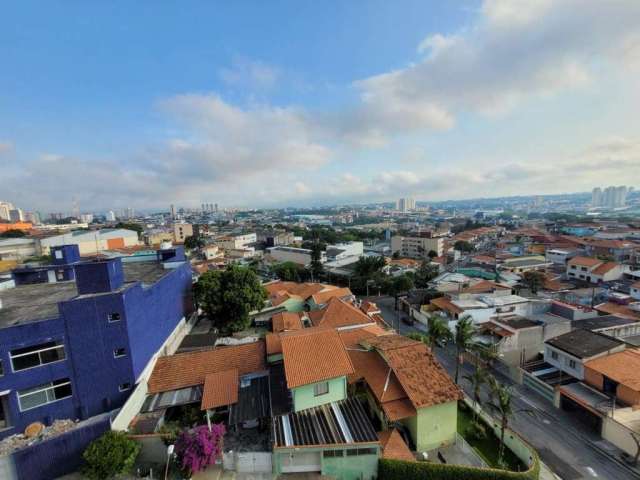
(554, 355)
(361, 451)
(113, 317)
(572, 364)
(1, 369)
(59, 254)
(123, 387)
(4, 413)
(320, 389)
(333, 453)
(119, 352)
(36, 355)
(43, 394)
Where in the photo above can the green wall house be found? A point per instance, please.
(433, 426)
(295, 304)
(319, 393)
(349, 463)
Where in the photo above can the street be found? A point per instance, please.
(562, 443)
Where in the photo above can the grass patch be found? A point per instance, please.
(488, 447)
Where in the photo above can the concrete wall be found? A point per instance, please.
(434, 426)
(346, 467)
(303, 397)
(619, 435)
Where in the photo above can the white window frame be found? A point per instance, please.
(316, 392)
(119, 356)
(50, 387)
(120, 389)
(110, 320)
(37, 352)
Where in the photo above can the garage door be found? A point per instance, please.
(300, 462)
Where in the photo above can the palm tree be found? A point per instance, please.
(438, 333)
(477, 379)
(463, 338)
(500, 404)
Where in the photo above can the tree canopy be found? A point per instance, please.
(289, 272)
(193, 242)
(533, 280)
(13, 233)
(228, 296)
(463, 246)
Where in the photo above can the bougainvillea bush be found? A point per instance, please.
(197, 448)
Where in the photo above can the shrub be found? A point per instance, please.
(170, 432)
(199, 447)
(110, 455)
(401, 470)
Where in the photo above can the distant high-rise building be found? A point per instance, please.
(610, 197)
(5, 209)
(86, 217)
(16, 215)
(596, 197)
(173, 211)
(405, 205)
(216, 209)
(33, 217)
(111, 216)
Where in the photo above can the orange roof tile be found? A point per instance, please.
(323, 297)
(339, 313)
(191, 368)
(443, 303)
(394, 447)
(620, 310)
(274, 345)
(584, 261)
(399, 409)
(285, 321)
(312, 355)
(220, 389)
(371, 367)
(622, 367)
(605, 268)
(353, 336)
(369, 307)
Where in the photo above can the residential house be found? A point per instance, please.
(296, 297)
(417, 246)
(524, 264)
(569, 352)
(593, 270)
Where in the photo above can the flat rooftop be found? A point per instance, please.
(584, 343)
(605, 321)
(39, 301)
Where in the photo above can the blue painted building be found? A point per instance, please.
(74, 342)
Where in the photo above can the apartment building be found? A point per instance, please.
(417, 247)
(92, 242)
(181, 231)
(593, 270)
(76, 336)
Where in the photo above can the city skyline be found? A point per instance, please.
(495, 98)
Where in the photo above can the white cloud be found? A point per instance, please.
(5, 147)
(251, 74)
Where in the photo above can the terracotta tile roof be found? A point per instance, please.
(399, 409)
(485, 286)
(281, 297)
(372, 368)
(220, 389)
(312, 355)
(584, 261)
(443, 303)
(405, 262)
(323, 297)
(285, 321)
(620, 310)
(394, 447)
(635, 285)
(353, 336)
(421, 376)
(302, 290)
(369, 307)
(605, 268)
(389, 342)
(622, 367)
(339, 313)
(274, 345)
(191, 368)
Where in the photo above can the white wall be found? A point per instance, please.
(562, 362)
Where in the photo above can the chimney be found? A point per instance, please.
(99, 276)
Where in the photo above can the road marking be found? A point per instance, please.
(592, 472)
(546, 422)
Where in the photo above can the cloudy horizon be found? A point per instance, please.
(263, 106)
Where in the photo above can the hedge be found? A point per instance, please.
(402, 470)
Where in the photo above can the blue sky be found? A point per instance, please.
(304, 103)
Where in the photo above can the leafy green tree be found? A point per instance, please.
(316, 267)
(463, 246)
(288, 271)
(438, 333)
(533, 280)
(112, 454)
(425, 273)
(400, 284)
(367, 266)
(432, 254)
(13, 233)
(136, 227)
(463, 337)
(396, 255)
(228, 296)
(477, 379)
(193, 242)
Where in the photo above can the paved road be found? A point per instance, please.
(561, 442)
